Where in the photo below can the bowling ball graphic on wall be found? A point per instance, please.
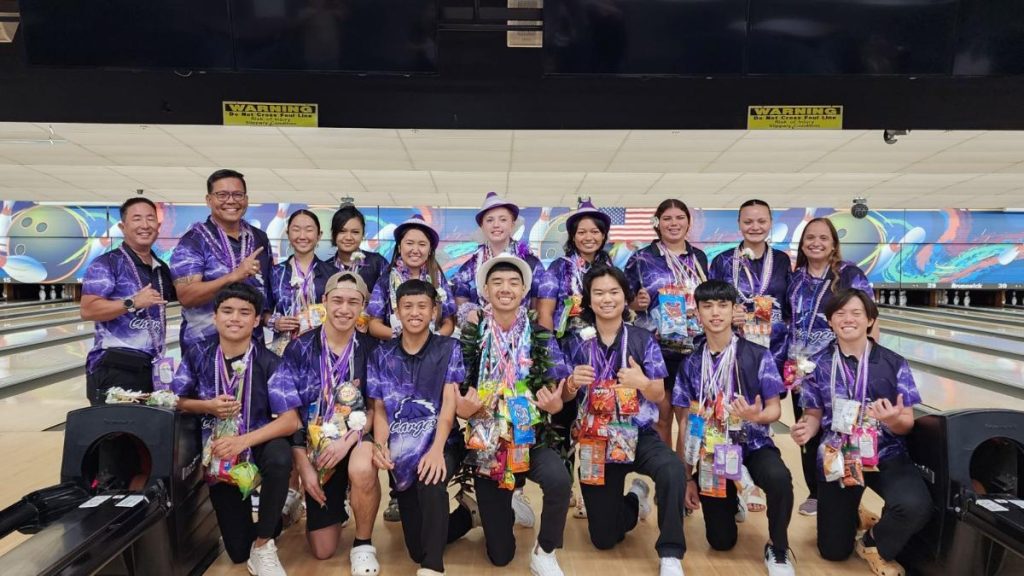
(860, 239)
(52, 237)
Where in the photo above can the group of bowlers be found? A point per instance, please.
(578, 370)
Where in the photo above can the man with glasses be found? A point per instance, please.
(212, 254)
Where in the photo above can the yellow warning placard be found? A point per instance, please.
(803, 117)
(271, 114)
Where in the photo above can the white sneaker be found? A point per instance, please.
(364, 560)
(263, 561)
(544, 563)
(522, 509)
(671, 567)
(292, 510)
(428, 572)
(643, 494)
(778, 566)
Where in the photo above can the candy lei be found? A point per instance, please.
(237, 383)
(578, 268)
(227, 253)
(716, 376)
(157, 334)
(739, 260)
(683, 268)
(331, 369)
(484, 252)
(502, 352)
(357, 258)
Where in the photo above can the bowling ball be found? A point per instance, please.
(860, 239)
(54, 236)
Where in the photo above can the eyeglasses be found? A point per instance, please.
(223, 196)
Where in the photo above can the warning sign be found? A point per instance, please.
(270, 114)
(795, 117)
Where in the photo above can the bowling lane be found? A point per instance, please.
(42, 362)
(974, 313)
(45, 319)
(47, 406)
(942, 393)
(960, 323)
(29, 304)
(36, 308)
(979, 342)
(14, 341)
(971, 364)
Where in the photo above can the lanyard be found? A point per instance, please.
(604, 364)
(331, 370)
(235, 384)
(859, 381)
(712, 372)
(683, 268)
(503, 350)
(302, 293)
(764, 280)
(156, 333)
(245, 238)
(400, 273)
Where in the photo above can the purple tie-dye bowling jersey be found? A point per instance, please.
(888, 376)
(640, 346)
(110, 277)
(411, 386)
(758, 375)
(199, 253)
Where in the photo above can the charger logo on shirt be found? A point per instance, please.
(144, 323)
(414, 418)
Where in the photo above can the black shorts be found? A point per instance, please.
(335, 491)
(673, 361)
(128, 369)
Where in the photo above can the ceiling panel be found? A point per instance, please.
(924, 169)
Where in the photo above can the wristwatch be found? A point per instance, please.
(129, 304)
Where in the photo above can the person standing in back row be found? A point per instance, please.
(125, 293)
(222, 250)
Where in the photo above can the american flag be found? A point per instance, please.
(631, 225)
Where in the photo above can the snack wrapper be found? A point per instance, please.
(603, 397)
(622, 441)
(628, 401)
(592, 455)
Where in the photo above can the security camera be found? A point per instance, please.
(891, 136)
(860, 208)
(347, 201)
(139, 191)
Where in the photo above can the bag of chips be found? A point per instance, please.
(672, 322)
(628, 401)
(519, 458)
(853, 473)
(522, 421)
(595, 426)
(602, 397)
(832, 461)
(592, 455)
(622, 440)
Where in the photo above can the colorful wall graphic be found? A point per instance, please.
(898, 248)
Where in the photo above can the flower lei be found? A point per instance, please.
(742, 258)
(472, 342)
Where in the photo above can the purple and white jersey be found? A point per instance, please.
(300, 368)
(380, 300)
(808, 296)
(758, 375)
(196, 378)
(411, 387)
(117, 275)
(543, 286)
(746, 276)
(640, 346)
(200, 252)
(888, 376)
(284, 294)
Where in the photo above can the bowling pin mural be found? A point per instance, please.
(539, 230)
(20, 268)
(276, 230)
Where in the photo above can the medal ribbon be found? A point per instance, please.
(157, 334)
